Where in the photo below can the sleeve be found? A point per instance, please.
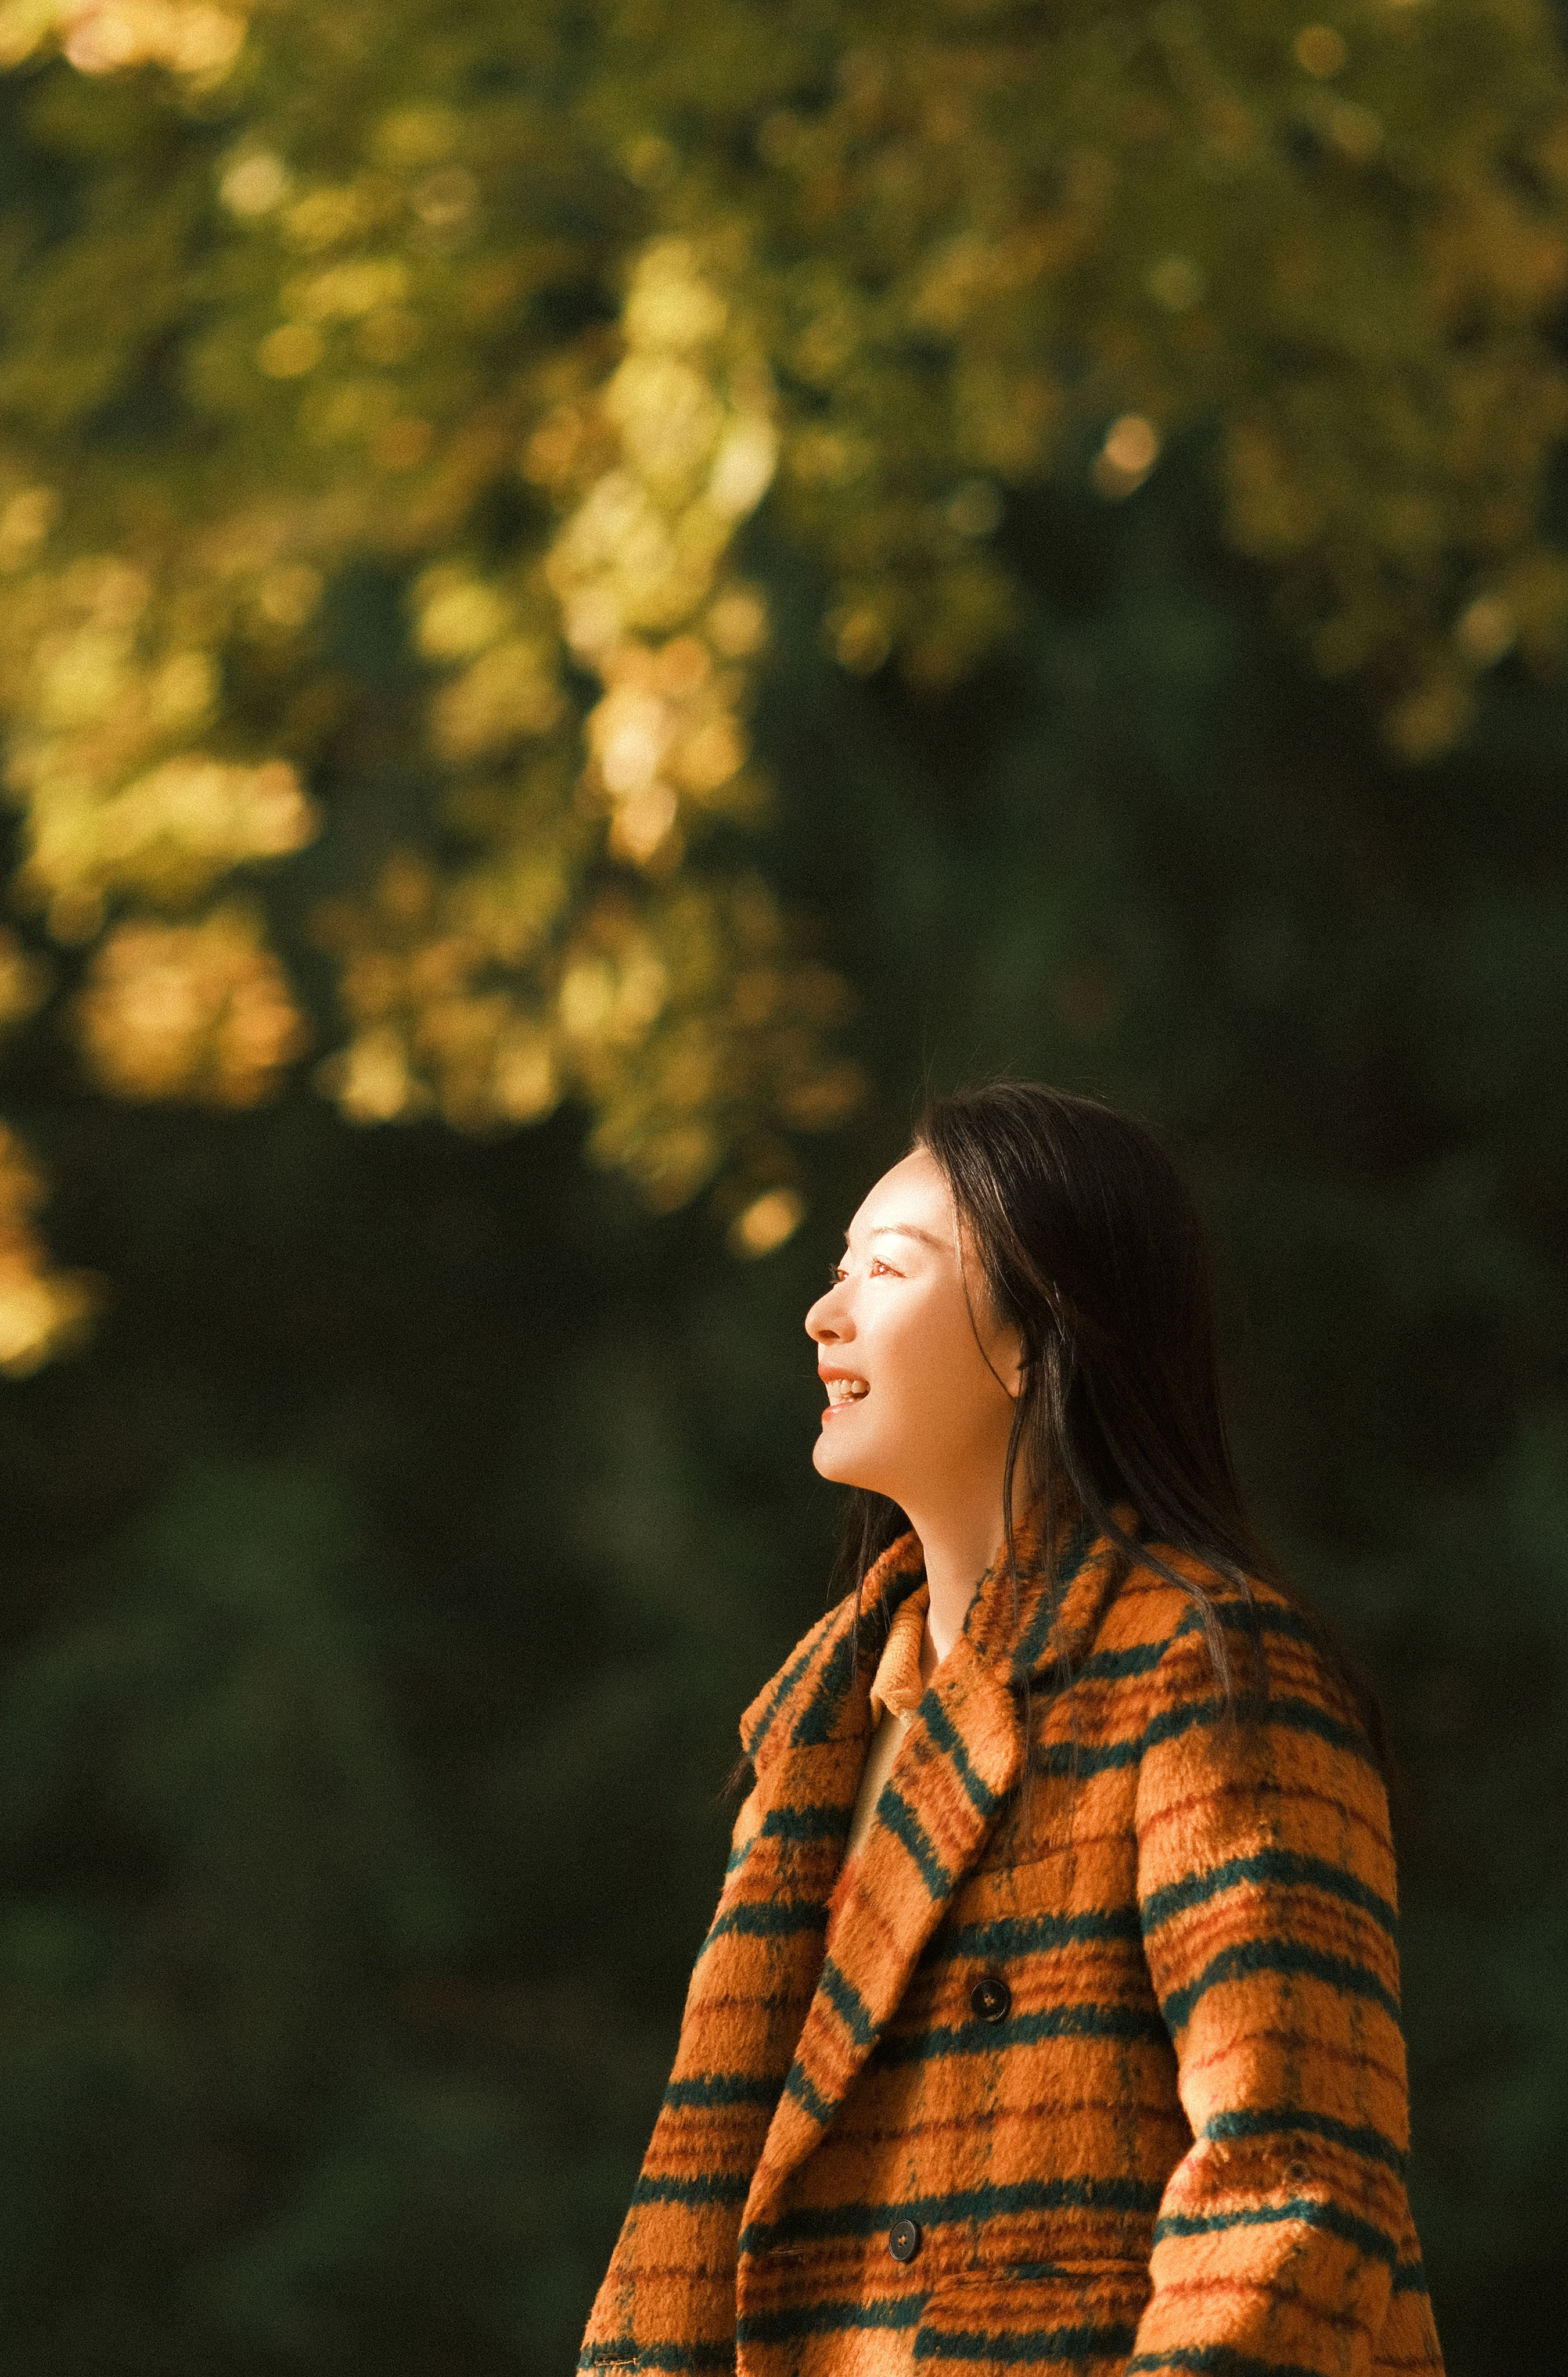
(745, 1830)
(1265, 1891)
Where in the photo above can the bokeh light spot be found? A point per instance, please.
(764, 1226)
(1320, 51)
(291, 350)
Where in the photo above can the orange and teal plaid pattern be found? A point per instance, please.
(1106, 2077)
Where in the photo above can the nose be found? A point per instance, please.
(828, 1323)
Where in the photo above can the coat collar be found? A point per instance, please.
(960, 1758)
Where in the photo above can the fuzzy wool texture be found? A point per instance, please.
(1180, 2146)
(897, 1690)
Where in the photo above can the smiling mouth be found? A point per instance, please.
(845, 1391)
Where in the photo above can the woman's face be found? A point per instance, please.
(921, 1379)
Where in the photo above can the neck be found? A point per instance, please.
(959, 1545)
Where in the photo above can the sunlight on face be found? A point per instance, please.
(920, 1377)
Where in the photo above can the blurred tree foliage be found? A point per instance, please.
(541, 544)
(514, 317)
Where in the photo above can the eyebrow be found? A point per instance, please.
(902, 1230)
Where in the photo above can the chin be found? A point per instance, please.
(824, 1463)
(837, 1463)
(834, 1460)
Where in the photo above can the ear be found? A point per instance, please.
(1010, 1363)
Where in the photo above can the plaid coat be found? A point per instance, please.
(1118, 2089)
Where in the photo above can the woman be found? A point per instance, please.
(1048, 2019)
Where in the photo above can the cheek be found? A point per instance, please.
(918, 1410)
(946, 1392)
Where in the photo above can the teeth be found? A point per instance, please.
(846, 1391)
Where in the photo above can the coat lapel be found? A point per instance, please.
(962, 1756)
(805, 1734)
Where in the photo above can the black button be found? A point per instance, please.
(904, 2240)
(992, 1999)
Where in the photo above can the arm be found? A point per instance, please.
(1265, 1889)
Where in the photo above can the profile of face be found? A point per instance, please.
(920, 1377)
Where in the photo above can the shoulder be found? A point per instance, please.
(1235, 1701)
(1159, 1616)
(1207, 1642)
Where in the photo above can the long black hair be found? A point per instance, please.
(1090, 1245)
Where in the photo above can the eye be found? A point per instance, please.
(836, 1273)
(877, 1264)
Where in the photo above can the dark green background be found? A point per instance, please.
(384, 1584)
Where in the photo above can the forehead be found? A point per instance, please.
(913, 1196)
